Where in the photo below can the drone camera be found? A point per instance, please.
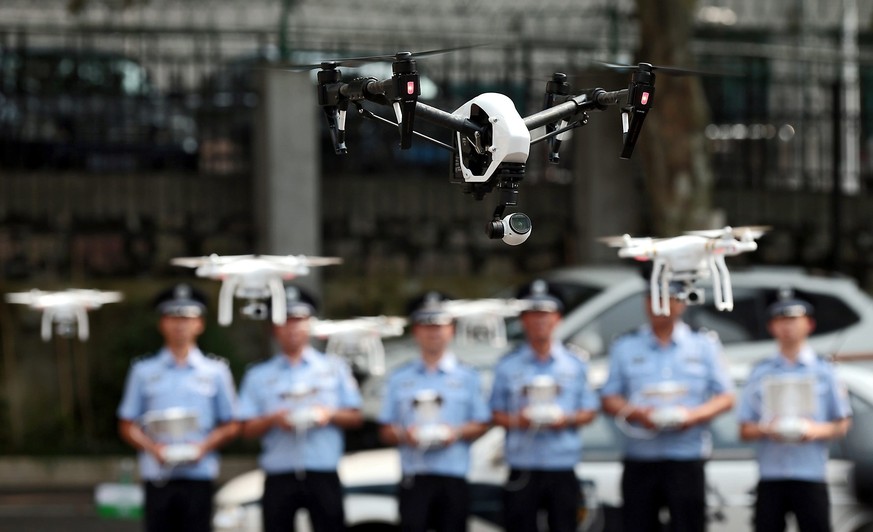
(255, 311)
(694, 296)
(514, 229)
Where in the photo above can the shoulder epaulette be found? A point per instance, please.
(213, 356)
(578, 352)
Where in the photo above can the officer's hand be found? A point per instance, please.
(322, 415)
(522, 421)
(407, 435)
(562, 422)
(642, 415)
(157, 451)
(280, 418)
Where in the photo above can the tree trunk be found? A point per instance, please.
(672, 146)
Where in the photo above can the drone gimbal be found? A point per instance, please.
(491, 139)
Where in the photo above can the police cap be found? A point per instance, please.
(429, 309)
(299, 303)
(790, 308)
(539, 296)
(181, 300)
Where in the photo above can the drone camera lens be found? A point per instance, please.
(520, 223)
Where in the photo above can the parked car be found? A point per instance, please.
(88, 109)
(604, 302)
(370, 477)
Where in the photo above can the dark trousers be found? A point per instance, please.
(178, 506)
(529, 491)
(320, 493)
(677, 485)
(808, 501)
(434, 502)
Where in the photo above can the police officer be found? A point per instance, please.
(179, 379)
(541, 397)
(666, 383)
(433, 409)
(793, 434)
(298, 403)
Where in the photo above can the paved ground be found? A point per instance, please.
(56, 511)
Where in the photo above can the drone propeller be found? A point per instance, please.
(381, 58)
(620, 241)
(95, 297)
(748, 232)
(195, 262)
(301, 259)
(670, 70)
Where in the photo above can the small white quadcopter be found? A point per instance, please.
(254, 278)
(359, 339)
(67, 309)
(687, 258)
(482, 320)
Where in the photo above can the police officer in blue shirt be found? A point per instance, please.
(432, 410)
(666, 383)
(298, 403)
(541, 396)
(179, 381)
(793, 406)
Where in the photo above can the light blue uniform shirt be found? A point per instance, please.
(795, 461)
(691, 361)
(202, 384)
(459, 387)
(270, 386)
(543, 449)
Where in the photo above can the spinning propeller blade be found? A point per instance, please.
(670, 70)
(745, 232)
(380, 58)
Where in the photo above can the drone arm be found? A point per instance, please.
(595, 99)
(447, 120)
(376, 91)
(366, 113)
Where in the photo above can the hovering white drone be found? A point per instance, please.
(68, 309)
(482, 320)
(254, 278)
(359, 339)
(688, 258)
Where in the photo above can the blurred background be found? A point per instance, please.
(135, 131)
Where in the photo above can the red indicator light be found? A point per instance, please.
(410, 87)
(644, 99)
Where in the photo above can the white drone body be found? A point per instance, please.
(254, 278)
(67, 309)
(510, 137)
(478, 320)
(359, 338)
(688, 258)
